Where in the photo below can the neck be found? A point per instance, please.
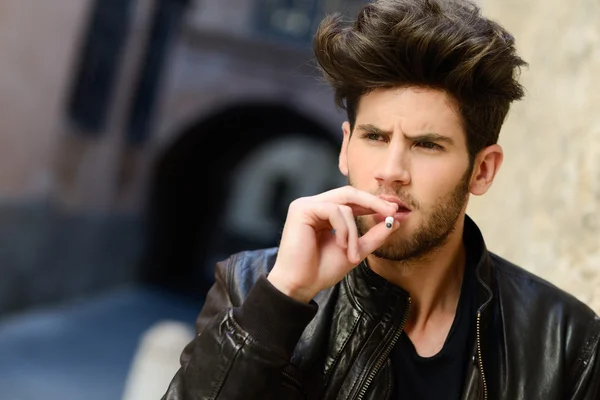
(434, 281)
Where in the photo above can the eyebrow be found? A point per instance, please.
(425, 137)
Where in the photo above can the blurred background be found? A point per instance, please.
(132, 132)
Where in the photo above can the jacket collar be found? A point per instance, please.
(483, 267)
(374, 294)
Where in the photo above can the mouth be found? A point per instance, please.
(402, 208)
(401, 215)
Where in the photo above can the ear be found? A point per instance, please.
(343, 161)
(487, 164)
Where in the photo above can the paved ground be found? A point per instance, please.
(84, 349)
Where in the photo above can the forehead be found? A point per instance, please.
(411, 110)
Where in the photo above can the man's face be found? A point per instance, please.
(409, 144)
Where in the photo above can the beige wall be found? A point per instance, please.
(543, 211)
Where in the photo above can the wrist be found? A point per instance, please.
(293, 291)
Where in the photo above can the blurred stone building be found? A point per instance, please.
(133, 131)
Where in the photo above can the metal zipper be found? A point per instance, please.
(481, 309)
(384, 354)
(296, 383)
(480, 359)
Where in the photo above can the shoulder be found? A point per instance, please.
(540, 312)
(536, 292)
(240, 271)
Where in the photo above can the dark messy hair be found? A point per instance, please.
(441, 44)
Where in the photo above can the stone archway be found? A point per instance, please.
(224, 186)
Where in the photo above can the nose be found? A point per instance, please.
(393, 169)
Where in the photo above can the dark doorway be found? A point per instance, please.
(224, 186)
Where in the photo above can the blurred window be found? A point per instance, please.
(296, 20)
(98, 65)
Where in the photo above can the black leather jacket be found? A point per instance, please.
(533, 341)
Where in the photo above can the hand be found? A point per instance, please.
(311, 258)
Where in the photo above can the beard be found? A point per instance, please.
(432, 234)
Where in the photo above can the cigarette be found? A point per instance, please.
(389, 222)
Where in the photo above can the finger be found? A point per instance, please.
(364, 202)
(352, 251)
(359, 211)
(332, 213)
(375, 238)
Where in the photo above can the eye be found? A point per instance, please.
(429, 145)
(374, 137)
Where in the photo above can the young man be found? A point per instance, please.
(347, 308)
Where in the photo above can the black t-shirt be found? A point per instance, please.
(442, 375)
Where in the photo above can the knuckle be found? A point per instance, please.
(350, 191)
(298, 204)
(346, 210)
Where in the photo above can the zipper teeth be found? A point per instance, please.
(385, 354)
(296, 381)
(485, 392)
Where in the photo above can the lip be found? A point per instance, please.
(401, 215)
(401, 205)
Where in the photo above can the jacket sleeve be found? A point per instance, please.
(240, 350)
(587, 385)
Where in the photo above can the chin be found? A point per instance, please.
(398, 239)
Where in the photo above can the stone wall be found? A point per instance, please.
(37, 43)
(543, 211)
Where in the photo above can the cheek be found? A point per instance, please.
(360, 164)
(435, 181)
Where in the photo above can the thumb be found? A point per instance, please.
(375, 238)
